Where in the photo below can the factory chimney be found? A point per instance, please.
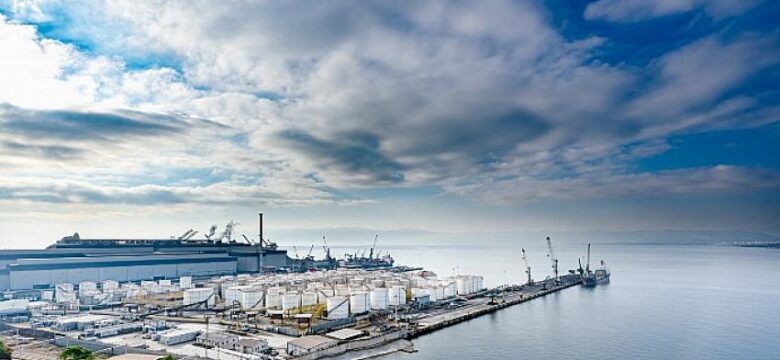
(261, 228)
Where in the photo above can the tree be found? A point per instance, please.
(5, 352)
(75, 352)
(167, 357)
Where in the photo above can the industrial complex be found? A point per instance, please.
(226, 299)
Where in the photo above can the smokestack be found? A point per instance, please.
(261, 228)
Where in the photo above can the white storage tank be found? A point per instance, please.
(87, 286)
(323, 295)
(192, 296)
(397, 295)
(358, 302)
(185, 282)
(342, 290)
(377, 283)
(314, 285)
(250, 298)
(109, 285)
(273, 301)
(291, 300)
(276, 290)
(308, 298)
(379, 298)
(337, 307)
(165, 282)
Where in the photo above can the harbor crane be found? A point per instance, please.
(371, 253)
(553, 260)
(212, 231)
(527, 267)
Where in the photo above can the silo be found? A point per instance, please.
(337, 307)
(358, 302)
(379, 299)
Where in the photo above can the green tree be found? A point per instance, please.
(5, 352)
(75, 352)
(167, 357)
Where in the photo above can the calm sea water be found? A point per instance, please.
(664, 302)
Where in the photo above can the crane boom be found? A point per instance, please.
(527, 267)
(553, 258)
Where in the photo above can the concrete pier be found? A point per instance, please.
(482, 305)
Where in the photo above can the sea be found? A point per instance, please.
(663, 302)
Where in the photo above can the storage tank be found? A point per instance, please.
(377, 283)
(291, 300)
(397, 295)
(337, 307)
(342, 290)
(308, 298)
(109, 285)
(314, 285)
(450, 290)
(379, 298)
(323, 295)
(185, 282)
(87, 286)
(276, 290)
(358, 302)
(192, 296)
(250, 298)
(273, 301)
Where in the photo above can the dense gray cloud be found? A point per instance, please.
(84, 126)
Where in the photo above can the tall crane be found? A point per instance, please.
(371, 254)
(587, 263)
(553, 259)
(527, 267)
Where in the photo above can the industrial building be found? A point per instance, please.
(74, 260)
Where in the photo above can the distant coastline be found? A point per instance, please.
(769, 245)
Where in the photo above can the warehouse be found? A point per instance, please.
(45, 273)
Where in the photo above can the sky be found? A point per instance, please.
(146, 118)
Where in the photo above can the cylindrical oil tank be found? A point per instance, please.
(164, 282)
(308, 298)
(397, 295)
(276, 290)
(342, 290)
(337, 307)
(450, 290)
(377, 283)
(250, 297)
(192, 296)
(358, 302)
(314, 285)
(273, 301)
(185, 282)
(323, 295)
(379, 298)
(291, 300)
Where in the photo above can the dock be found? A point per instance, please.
(482, 305)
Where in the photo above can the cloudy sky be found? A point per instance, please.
(145, 118)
